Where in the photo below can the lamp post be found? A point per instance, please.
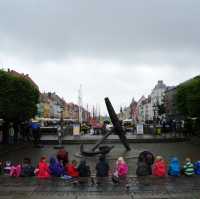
(60, 129)
(154, 118)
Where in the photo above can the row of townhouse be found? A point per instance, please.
(146, 108)
(52, 106)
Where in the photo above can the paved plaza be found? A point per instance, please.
(48, 138)
(147, 188)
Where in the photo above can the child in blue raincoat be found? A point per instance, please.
(174, 167)
(197, 167)
(55, 168)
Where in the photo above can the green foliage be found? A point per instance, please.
(161, 109)
(18, 98)
(188, 98)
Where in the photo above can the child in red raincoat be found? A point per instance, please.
(71, 169)
(159, 167)
(43, 169)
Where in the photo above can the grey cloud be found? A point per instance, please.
(135, 32)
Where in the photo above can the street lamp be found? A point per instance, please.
(154, 118)
(60, 129)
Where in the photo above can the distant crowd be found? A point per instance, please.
(60, 166)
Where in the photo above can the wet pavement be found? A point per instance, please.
(149, 187)
(167, 150)
(146, 187)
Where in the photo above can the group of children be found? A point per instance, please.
(148, 165)
(61, 167)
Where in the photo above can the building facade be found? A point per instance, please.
(52, 106)
(157, 98)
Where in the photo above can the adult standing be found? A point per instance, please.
(16, 135)
(22, 130)
(35, 127)
(11, 132)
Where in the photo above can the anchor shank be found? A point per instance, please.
(101, 141)
(116, 123)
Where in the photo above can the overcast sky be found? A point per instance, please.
(114, 48)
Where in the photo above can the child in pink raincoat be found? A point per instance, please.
(15, 170)
(121, 171)
(121, 167)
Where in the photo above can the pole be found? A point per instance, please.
(60, 130)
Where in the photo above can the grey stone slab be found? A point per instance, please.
(52, 195)
(6, 196)
(185, 195)
(150, 195)
(14, 195)
(104, 196)
(16, 189)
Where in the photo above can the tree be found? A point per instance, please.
(18, 98)
(160, 108)
(188, 98)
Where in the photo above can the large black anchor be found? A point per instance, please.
(117, 128)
